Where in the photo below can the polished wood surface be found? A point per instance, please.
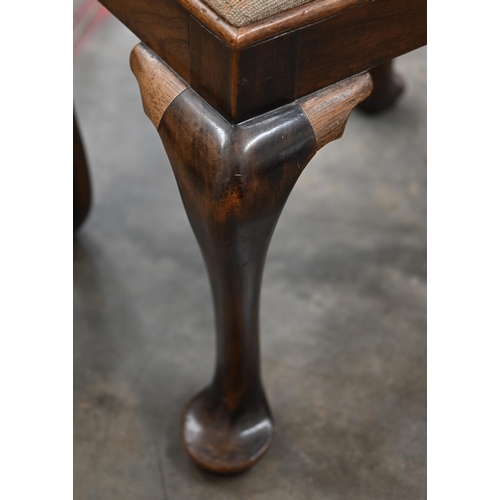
(278, 65)
(162, 25)
(357, 40)
(240, 113)
(329, 109)
(234, 181)
(270, 27)
(82, 194)
(162, 16)
(158, 83)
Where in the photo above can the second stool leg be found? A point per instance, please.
(387, 88)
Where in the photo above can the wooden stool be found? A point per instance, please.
(243, 93)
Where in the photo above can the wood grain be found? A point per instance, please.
(162, 25)
(214, 68)
(211, 20)
(289, 20)
(159, 85)
(259, 90)
(329, 109)
(357, 40)
(234, 180)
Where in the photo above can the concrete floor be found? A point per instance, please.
(343, 316)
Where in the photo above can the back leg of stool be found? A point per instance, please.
(234, 180)
(387, 88)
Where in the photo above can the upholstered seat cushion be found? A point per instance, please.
(244, 12)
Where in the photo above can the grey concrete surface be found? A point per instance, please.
(343, 315)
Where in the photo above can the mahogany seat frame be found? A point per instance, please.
(240, 112)
(243, 72)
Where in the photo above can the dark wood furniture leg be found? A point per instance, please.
(81, 180)
(234, 181)
(387, 88)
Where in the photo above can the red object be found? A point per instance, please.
(86, 17)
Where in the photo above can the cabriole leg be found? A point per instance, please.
(234, 181)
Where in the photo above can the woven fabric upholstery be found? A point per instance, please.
(244, 12)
